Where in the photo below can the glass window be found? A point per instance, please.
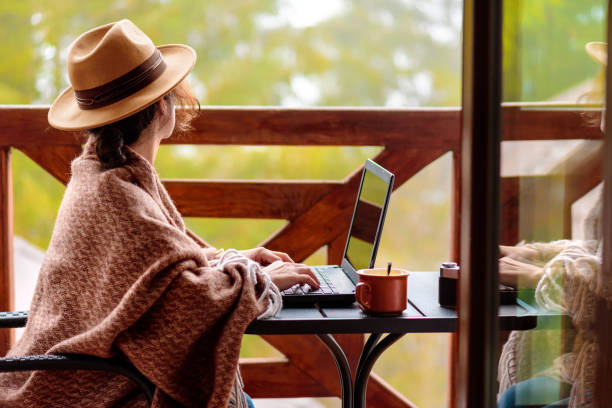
(551, 177)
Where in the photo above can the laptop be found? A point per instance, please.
(338, 282)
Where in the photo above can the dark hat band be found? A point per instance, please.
(124, 86)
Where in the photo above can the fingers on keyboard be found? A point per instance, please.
(306, 288)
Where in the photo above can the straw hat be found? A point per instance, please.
(598, 51)
(114, 72)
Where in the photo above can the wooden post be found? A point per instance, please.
(6, 244)
(480, 139)
(456, 208)
(453, 345)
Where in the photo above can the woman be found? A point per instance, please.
(565, 276)
(122, 276)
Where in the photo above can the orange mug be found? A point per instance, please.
(380, 294)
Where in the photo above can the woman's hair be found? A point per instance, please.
(595, 95)
(110, 139)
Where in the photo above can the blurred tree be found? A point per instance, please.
(389, 52)
(544, 46)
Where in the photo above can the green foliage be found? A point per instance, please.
(544, 46)
(248, 53)
(37, 197)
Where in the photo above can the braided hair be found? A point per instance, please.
(111, 139)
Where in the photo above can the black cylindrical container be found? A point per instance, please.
(447, 284)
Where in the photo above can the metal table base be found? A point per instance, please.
(370, 353)
(344, 370)
(354, 395)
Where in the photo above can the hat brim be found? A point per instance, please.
(598, 51)
(65, 114)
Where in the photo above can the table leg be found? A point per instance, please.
(344, 370)
(367, 348)
(371, 351)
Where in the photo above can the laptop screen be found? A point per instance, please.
(368, 216)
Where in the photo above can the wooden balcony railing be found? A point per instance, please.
(318, 211)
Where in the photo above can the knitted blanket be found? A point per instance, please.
(122, 278)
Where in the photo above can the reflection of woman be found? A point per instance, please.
(122, 276)
(565, 276)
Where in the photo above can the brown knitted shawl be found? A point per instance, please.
(121, 278)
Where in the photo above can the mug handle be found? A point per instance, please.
(362, 294)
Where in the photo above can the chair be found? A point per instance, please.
(68, 361)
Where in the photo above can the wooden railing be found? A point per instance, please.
(318, 212)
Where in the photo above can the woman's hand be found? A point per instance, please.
(518, 274)
(286, 274)
(265, 257)
(518, 253)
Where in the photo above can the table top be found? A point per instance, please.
(422, 315)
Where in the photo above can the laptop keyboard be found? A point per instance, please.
(325, 286)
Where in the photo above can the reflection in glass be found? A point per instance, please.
(551, 211)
